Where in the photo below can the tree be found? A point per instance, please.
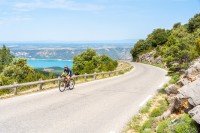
(18, 71)
(179, 51)
(176, 25)
(139, 48)
(82, 62)
(194, 23)
(5, 57)
(157, 37)
(107, 64)
(198, 45)
(90, 62)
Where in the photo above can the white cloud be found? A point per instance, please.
(14, 19)
(56, 4)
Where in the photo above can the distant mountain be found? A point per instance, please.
(67, 51)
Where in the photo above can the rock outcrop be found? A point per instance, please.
(150, 58)
(172, 89)
(185, 94)
(194, 71)
(195, 113)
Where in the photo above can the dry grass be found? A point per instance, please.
(122, 64)
(144, 114)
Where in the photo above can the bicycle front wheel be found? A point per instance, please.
(62, 86)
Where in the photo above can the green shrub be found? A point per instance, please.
(134, 123)
(163, 102)
(159, 110)
(121, 72)
(149, 103)
(184, 124)
(156, 112)
(7, 91)
(163, 125)
(148, 126)
(146, 108)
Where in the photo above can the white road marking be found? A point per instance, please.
(161, 85)
(142, 104)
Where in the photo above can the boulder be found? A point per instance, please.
(166, 114)
(195, 114)
(193, 71)
(191, 92)
(185, 94)
(179, 103)
(158, 60)
(183, 82)
(197, 66)
(148, 57)
(171, 98)
(172, 89)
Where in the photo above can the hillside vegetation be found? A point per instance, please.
(90, 62)
(178, 50)
(175, 49)
(17, 70)
(177, 46)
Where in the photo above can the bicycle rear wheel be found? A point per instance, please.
(71, 84)
(62, 86)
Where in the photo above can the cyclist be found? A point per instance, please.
(67, 73)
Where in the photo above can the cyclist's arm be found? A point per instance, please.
(63, 74)
(69, 73)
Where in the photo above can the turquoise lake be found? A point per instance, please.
(43, 63)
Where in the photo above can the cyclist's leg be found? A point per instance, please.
(67, 80)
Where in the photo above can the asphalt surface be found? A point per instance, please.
(102, 106)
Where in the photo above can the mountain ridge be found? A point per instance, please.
(68, 51)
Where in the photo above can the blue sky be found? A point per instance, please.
(90, 20)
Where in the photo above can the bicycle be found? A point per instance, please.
(63, 85)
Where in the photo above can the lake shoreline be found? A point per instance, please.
(49, 63)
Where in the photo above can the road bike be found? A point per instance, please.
(64, 85)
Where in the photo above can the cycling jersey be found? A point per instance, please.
(67, 72)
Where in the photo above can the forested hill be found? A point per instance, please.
(176, 47)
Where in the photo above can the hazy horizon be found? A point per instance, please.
(78, 41)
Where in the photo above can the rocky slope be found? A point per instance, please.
(150, 58)
(184, 96)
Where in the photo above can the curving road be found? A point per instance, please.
(103, 106)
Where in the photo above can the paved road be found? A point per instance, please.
(103, 106)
